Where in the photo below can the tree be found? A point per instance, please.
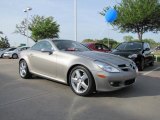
(4, 41)
(137, 16)
(112, 43)
(22, 28)
(40, 27)
(88, 40)
(43, 28)
(128, 38)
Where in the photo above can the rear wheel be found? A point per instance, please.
(81, 81)
(23, 70)
(14, 56)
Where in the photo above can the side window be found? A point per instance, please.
(105, 47)
(47, 46)
(42, 45)
(98, 46)
(37, 46)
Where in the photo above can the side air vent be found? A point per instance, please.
(122, 65)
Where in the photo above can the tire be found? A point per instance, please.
(15, 56)
(23, 70)
(81, 81)
(2, 56)
(141, 65)
(152, 63)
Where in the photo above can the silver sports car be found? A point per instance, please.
(72, 63)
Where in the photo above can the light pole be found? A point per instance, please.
(27, 12)
(75, 20)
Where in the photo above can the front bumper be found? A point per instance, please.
(7, 55)
(114, 81)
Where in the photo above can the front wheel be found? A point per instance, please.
(152, 63)
(23, 70)
(81, 81)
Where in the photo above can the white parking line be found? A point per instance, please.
(151, 71)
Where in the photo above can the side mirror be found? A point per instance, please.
(46, 51)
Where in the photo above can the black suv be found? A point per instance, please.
(139, 52)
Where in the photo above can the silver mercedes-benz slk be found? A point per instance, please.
(72, 63)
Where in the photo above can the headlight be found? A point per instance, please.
(107, 67)
(132, 56)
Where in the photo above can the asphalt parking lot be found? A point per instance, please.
(41, 99)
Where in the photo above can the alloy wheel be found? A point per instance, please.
(23, 69)
(79, 81)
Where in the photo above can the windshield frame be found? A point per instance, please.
(129, 43)
(79, 45)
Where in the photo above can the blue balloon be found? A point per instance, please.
(111, 15)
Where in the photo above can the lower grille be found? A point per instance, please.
(115, 83)
(129, 82)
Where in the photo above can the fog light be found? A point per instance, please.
(111, 83)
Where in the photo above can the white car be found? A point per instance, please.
(5, 50)
(14, 52)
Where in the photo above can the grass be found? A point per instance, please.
(157, 54)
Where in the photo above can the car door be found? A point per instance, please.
(41, 61)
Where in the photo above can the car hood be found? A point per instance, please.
(125, 53)
(103, 57)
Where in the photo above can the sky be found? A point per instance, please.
(90, 23)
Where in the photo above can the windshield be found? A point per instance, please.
(67, 45)
(11, 49)
(130, 46)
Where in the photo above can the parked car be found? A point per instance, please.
(97, 47)
(5, 50)
(72, 63)
(14, 53)
(139, 52)
(1, 49)
(157, 48)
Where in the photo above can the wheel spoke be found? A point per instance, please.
(24, 72)
(24, 66)
(83, 84)
(78, 87)
(84, 77)
(21, 68)
(78, 74)
(75, 80)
